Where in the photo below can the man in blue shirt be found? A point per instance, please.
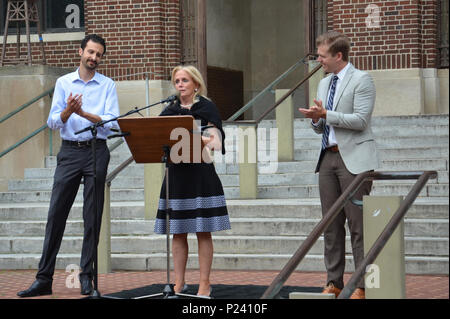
(80, 99)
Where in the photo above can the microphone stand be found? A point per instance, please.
(93, 128)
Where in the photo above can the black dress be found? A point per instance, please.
(196, 196)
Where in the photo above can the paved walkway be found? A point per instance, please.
(12, 281)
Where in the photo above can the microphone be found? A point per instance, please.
(169, 99)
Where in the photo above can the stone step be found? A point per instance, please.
(387, 154)
(228, 180)
(380, 122)
(42, 178)
(409, 148)
(410, 120)
(383, 131)
(303, 140)
(44, 196)
(382, 143)
(232, 192)
(388, 121)
(312, 191)
(414, 246)
(239, 226)
(413, 265)
(39, 211)
(137, 170)
(148, 262)
(259, 208)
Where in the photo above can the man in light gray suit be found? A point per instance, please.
(342, 114)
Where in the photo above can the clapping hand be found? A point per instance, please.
(74, 103)
(315, 112)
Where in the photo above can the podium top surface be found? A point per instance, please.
(149, 135)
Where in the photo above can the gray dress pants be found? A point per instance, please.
(73, 163)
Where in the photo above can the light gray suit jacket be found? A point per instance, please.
(351, 116)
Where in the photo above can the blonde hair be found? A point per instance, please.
(196, 76)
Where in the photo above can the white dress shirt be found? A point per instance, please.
(332, 136)
(99, 98)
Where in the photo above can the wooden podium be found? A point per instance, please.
(148, 137)
(150, 140)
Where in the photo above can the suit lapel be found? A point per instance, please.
(325, 89)
(348, 76)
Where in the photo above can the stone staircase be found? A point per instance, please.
(265, 232)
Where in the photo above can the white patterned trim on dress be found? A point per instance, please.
(193, 203)
(195, 225)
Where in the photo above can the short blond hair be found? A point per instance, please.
(196, 76)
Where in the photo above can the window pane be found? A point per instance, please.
(64, 14)
(443, 60)
(12, 26)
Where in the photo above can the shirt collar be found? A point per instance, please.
(76, 77)
(342, 73)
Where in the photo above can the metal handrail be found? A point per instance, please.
(49, 92)
(276, 285)
(289, 93)
(386, 233)
(12, 147)
(27, 104)
(232, 118)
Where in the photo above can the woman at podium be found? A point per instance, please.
(196, 195)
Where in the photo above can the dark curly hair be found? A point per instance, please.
(95, 38)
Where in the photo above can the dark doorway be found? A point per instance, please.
(226, 90)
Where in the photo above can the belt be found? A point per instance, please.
(82, 143)
(334, 149)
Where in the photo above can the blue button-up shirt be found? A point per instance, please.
(99, 97)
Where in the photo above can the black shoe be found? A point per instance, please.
(86, 286)
(36, 289)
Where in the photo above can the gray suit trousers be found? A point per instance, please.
(333, 180)
(73, 163)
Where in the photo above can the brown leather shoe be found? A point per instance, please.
(359, 293)
(331, 289)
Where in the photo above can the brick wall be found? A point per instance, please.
(405, 36)
(60, 54)
(141, 36)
